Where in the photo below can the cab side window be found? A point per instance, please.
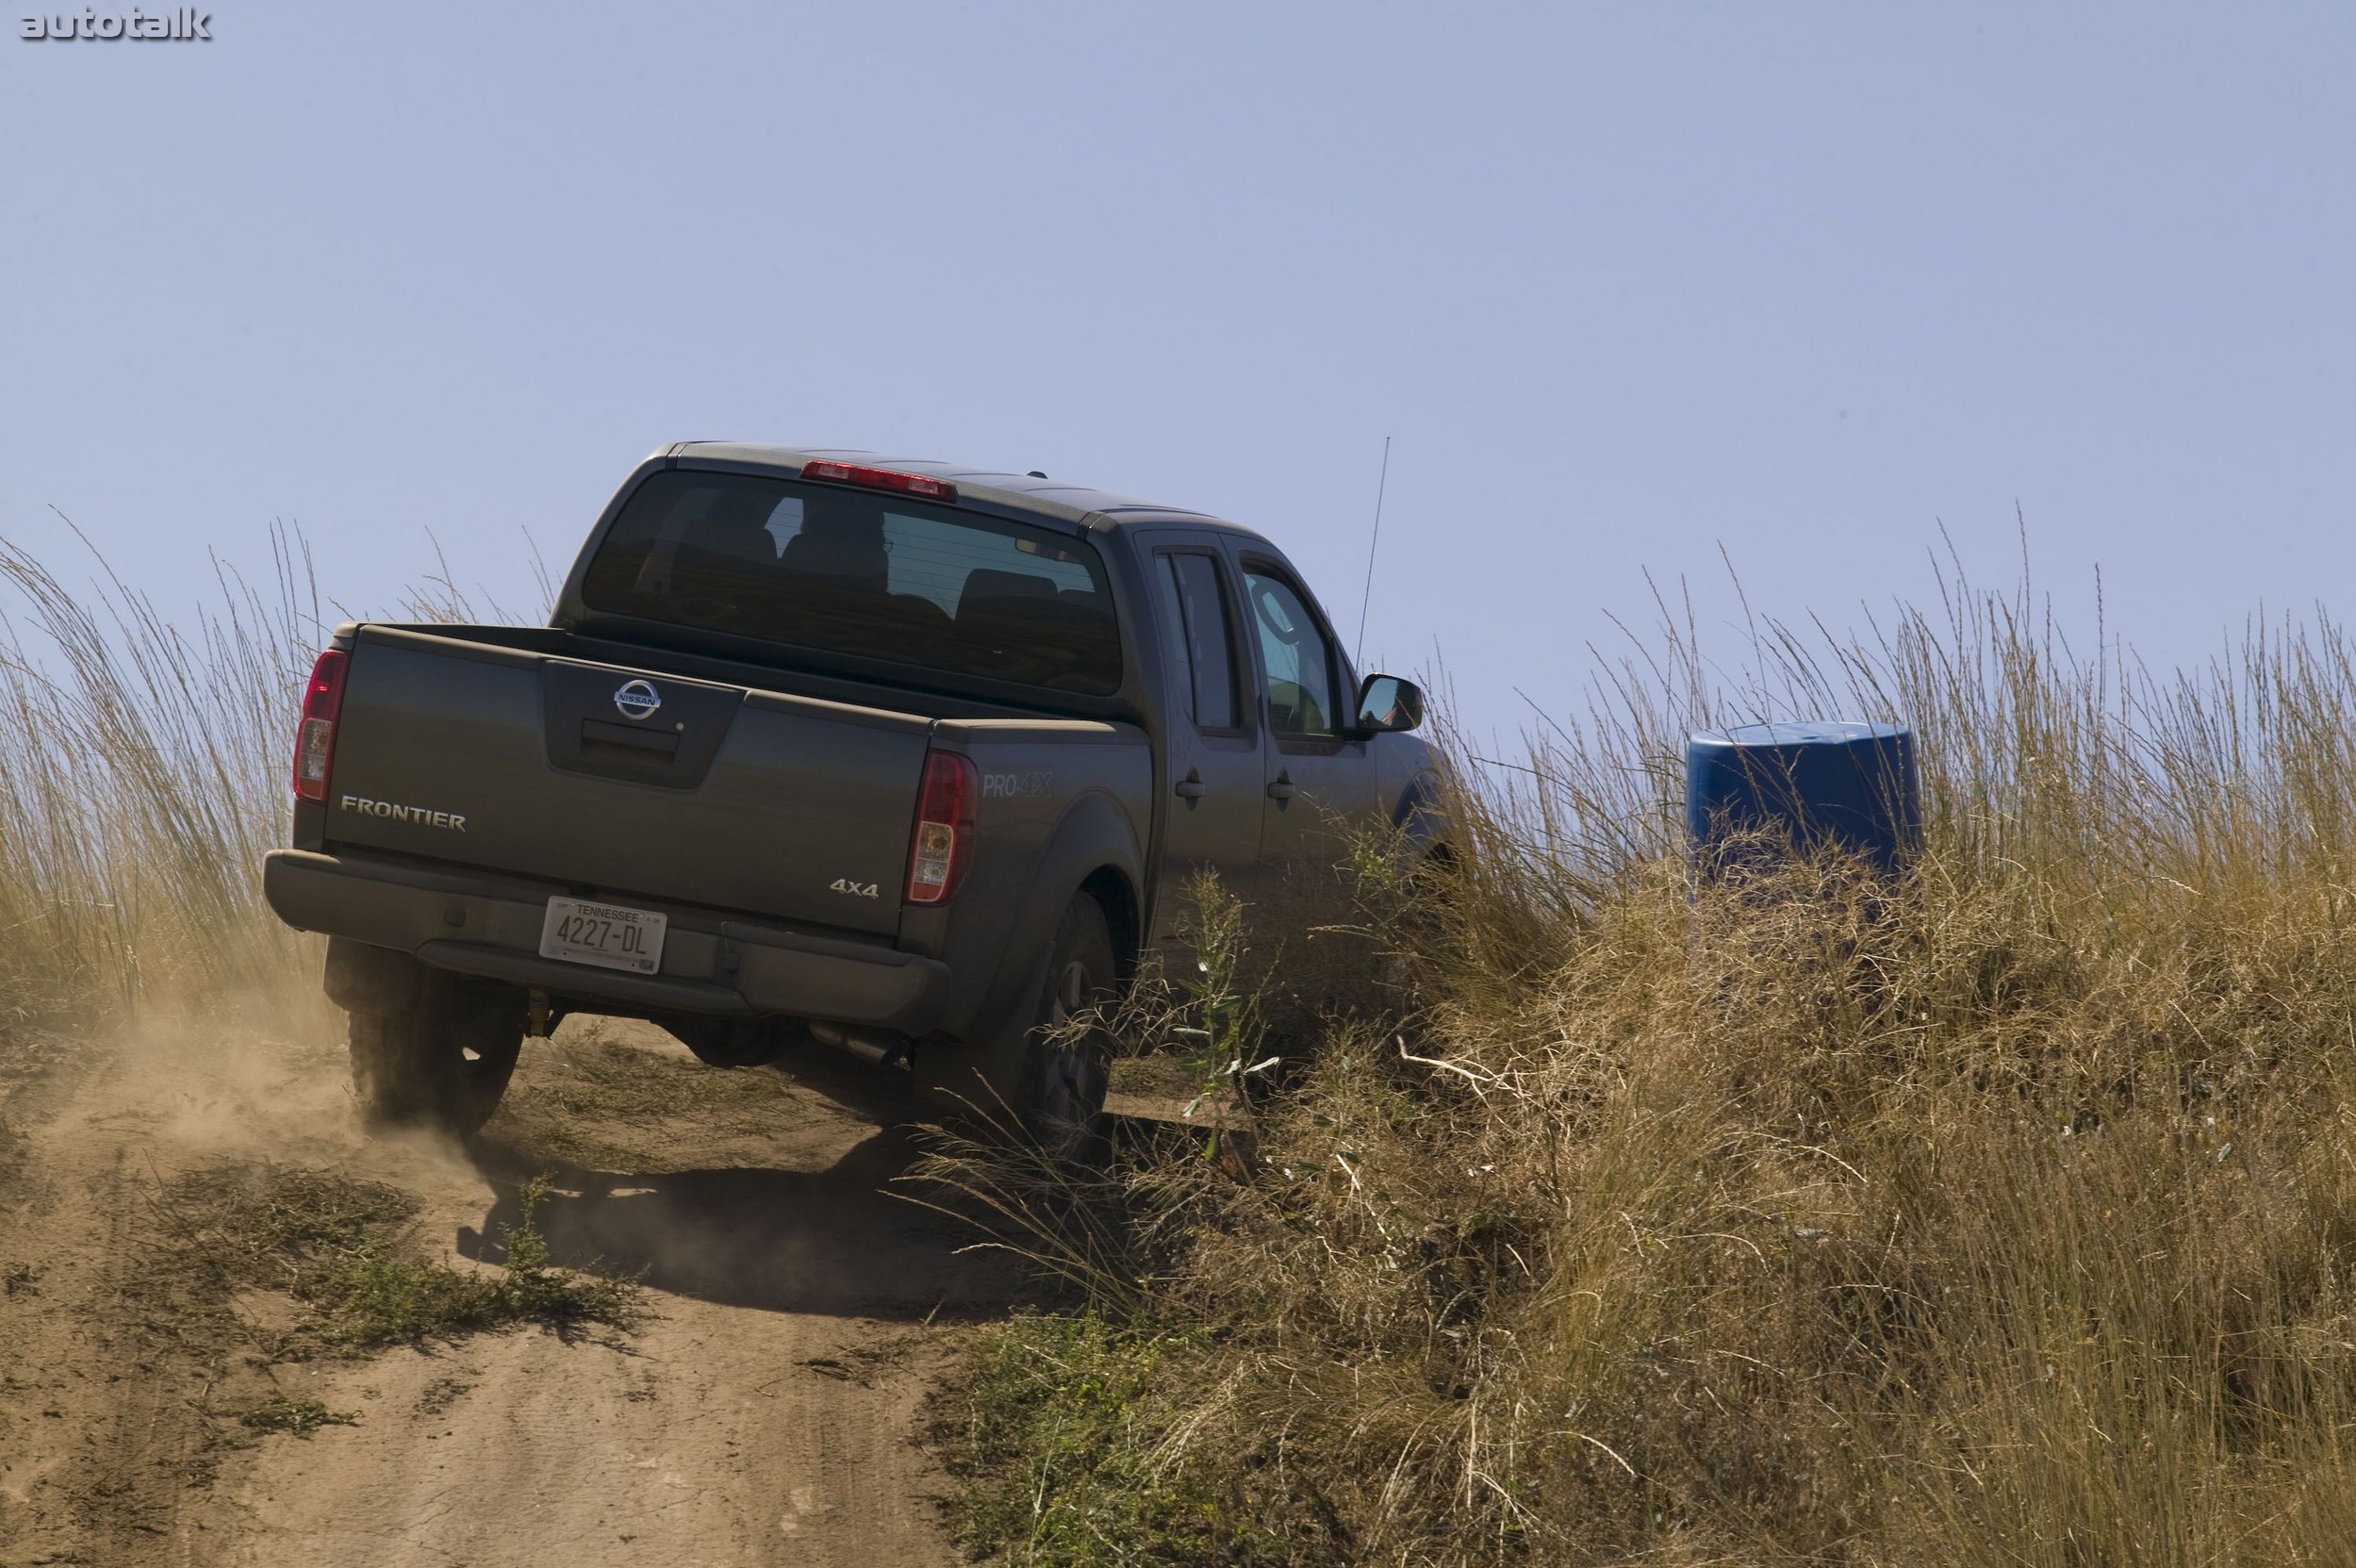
(1296, 657)
(1199, 637)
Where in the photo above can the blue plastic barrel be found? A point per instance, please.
(1845, 784)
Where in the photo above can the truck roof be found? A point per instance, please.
(1055, 500)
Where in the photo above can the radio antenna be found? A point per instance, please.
(1368, 597)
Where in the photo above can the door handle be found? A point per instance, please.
(1192, 787)
(1283, 789)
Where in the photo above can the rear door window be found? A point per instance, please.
(872, 577)
(1201, 635)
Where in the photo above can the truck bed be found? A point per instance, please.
(467, 751)
(479, 773)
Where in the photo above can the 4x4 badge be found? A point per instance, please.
(637, 699)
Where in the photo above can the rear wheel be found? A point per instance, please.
(1067, 1059)
(438, 1053)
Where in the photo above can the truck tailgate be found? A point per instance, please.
(620, 781)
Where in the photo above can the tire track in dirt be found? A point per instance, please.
(105, 1423)
(98, 1408)
(765, 1412)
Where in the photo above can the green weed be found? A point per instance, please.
(345, 1249)
(1055, 1431)
(301, 1417)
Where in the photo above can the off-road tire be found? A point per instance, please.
(439, 1055)
(1060, 1093)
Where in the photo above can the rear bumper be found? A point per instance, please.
(490, 925)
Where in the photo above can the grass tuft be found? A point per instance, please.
(301, 1417)
(1053, 1431)
(347, 1252)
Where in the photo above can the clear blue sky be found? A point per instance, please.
(1624, 283)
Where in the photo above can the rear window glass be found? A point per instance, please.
(870, 575)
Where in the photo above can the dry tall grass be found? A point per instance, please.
(2004, 1218)
(142, 774)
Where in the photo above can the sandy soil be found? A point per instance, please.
(765, 1412)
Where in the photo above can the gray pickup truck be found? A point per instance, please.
(821, 745)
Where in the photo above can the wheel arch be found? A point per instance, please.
(1093, 849)
(1117, 897)
(1422, 814)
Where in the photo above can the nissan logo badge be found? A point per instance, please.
(637, 699)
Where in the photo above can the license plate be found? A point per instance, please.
(607, 935)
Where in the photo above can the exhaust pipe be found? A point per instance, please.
(883, 1048)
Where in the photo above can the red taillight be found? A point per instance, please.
(944, 827)
(881, 479)
(315, 742)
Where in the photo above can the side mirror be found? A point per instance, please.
(1387, 703)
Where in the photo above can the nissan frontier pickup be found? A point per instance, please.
(819, 745)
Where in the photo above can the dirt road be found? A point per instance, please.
(764, 1411)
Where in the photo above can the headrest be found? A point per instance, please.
(990, 591)
(735, 525)
(738, 539)
(844, 544)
